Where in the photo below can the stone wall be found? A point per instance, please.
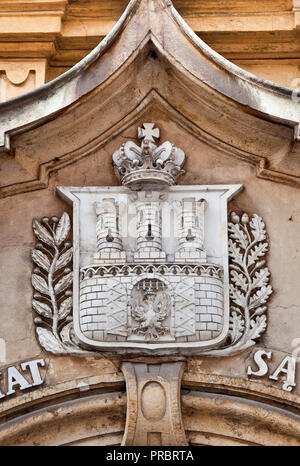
(232, 132)
(261, 37)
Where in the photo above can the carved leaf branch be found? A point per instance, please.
(249, 287)
(52, 281)
(236, 325)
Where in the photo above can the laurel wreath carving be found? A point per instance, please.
(249, 288)
(52, 280)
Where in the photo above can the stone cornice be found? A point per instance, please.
(237, 29)
(197, 70)
(204, 397)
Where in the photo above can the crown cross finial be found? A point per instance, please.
(149, 164)
(148, 132)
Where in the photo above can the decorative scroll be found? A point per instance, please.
(52, 280)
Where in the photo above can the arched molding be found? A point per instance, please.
(266, 99)
(97, 419)
(217, 419)
(216, 410)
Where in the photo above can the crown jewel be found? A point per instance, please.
(149, 164)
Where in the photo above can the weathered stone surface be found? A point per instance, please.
(180, 44)
(96, 420)
(153, 404)
(217, 420)
(234, 129)
(260, 37)
(20, 76)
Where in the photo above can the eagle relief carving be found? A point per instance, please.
(153, 266)
(150, 309)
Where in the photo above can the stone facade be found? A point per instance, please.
(261, 37)
(223, 370)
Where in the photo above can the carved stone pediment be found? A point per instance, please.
(214, 100)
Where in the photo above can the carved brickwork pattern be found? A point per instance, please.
(103, 308)
(116, 309)
(209, 306)
(198, 300)
(185, 308)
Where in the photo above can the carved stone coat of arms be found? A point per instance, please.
(150, 260)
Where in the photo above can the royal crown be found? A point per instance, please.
(149, 164)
